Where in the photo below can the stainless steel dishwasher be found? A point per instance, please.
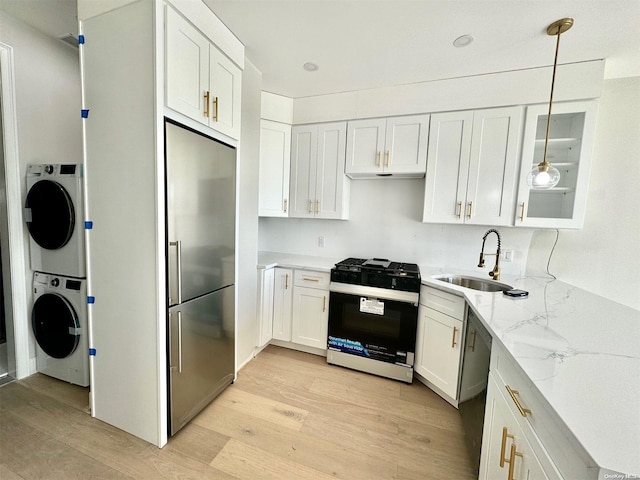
(473, 384)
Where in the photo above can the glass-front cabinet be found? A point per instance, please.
(570, 146)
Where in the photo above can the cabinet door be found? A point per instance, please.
(330, 178)
(447, 167)
(571, 137)
(225, 93)
(282, 303)
(304, 149)
(275, 160)
(265, 308)
(187, 64)
(310, 317)
(506, 453)
(438, 348)
(365, 145)
(406, 145)
(495, 147)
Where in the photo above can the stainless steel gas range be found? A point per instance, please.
(373, 316)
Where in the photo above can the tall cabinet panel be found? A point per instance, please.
(275, 161)
(570, 143)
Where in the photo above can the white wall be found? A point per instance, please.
(47, 84)
(385, 221)
(249, 154)
(604, 257)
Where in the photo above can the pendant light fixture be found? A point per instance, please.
(545, 176)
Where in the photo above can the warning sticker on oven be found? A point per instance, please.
(371, 305)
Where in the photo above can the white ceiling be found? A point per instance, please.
(361, 44)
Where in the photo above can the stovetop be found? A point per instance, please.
(378, 272)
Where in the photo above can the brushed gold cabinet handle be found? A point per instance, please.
(215, 115)
(324, 304)
(286, 281)
(470, 207)
(206, 104)
(522, 212)
(523, 411)
(388, 158)
(285, 205)
(317, 206)
(512, 461)
(459, 209)
(473, 344)
(309, 279)
(310, 206)
(503, 447)
(378, 158)
(453, 338)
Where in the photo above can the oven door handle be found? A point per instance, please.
(374, 292)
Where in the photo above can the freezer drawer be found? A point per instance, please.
(201, 353)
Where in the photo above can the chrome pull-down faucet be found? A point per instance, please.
(495, 273)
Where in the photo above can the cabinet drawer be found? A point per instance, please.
(311, 279)
(444, 302)
(538, 420)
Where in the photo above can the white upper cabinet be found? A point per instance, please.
(318, 185)
(571, 137)
(472, 166)
(383, 147)
(201, 82)
(275, 161)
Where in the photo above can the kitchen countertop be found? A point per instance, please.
(580, 350)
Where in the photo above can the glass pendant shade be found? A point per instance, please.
(543, 177)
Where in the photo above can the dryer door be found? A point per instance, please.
(50, 214)
(55, 325)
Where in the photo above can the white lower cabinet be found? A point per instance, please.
(506, 453)
(282, 303)
(265, 306)
(439, 340)
(310, 317)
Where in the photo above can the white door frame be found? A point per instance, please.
(17, 251)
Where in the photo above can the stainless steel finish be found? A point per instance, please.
(474, 283)
(374, 292)
(206, 365)
(404, 373)
(177, 284)
(200, 191)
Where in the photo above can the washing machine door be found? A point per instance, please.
(55, 325)
(52, 217)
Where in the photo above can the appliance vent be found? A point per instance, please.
(70, 39)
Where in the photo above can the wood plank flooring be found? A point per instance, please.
(288, 416)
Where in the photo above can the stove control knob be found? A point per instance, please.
(55, 282)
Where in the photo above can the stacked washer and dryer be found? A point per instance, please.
(54, 213)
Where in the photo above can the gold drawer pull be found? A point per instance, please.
(379, 154)
(459, 209)
(310, 206)
(285, 205)
(388, 162)
(470, 205)
(503, 448)
(309, 279)
(324, 304)
(522, 212)
(523, 411)
(453, 338)
(206, 104)
(215, 115)
(286, 281)
(512, 461)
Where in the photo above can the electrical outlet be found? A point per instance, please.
(507, 255)
(321, 241)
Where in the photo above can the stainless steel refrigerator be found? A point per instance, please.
(201, 219)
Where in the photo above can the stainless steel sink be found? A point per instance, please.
(474, 283)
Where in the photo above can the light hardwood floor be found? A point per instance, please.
(288, 416)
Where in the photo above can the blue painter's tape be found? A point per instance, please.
(91, 299)
(92, 352)
(80, 39)
(85, 113)
(88, 225)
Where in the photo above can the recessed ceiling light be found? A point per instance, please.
(463, 41)
(310, 67)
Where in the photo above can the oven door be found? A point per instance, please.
(373, 327)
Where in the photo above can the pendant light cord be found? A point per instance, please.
(553, 82)
(551, 254)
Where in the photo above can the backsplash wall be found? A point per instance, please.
(385, 221)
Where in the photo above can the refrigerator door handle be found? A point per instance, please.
(179, 341)
(178, 246)
(172, 364)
